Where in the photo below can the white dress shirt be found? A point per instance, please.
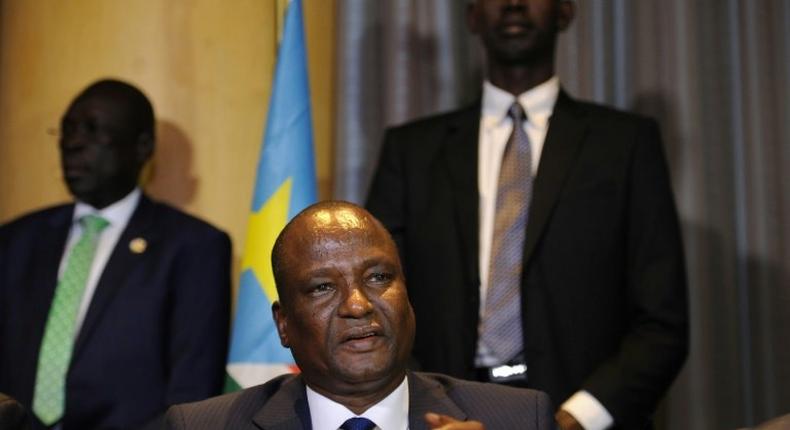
(495, 130)
(118, 215)
(391, 413)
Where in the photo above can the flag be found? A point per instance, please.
(285, 184)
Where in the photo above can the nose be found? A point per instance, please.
(356, 304)
(78, 132)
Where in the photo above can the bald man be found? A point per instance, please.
(344, 312)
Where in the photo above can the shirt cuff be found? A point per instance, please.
(588, 411)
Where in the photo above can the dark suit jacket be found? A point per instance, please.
(603, 287)
(156, 330)
(282, 404)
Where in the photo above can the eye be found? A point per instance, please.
(380, 278)
(321, 289)
(67, 128)
(91, 127)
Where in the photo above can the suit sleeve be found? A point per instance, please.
(386, 196)
(199, 318)
(174, 419)
(545, 413)
(631, 382)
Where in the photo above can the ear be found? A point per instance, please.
(565, 14)
(282, 323)
(472, 17)
(145, 147)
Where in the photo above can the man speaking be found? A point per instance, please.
(345, 315)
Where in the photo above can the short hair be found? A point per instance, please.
(140, 107)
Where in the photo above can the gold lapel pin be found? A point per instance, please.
(138, 245)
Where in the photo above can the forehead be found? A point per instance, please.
(98, 105)
(326, 234)
(342, 218)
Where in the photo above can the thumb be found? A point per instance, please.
(437, 420)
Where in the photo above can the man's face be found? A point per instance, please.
(519, 31)
(99, 149)
(344, 309)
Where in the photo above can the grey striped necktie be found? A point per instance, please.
(502, 314)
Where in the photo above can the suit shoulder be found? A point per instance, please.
(458, 386)
(604, 114)
(420, 130)
(439, 120)
(496, 406)
(34, 220)
(176, 220)
(227, 410)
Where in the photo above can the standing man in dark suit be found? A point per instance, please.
(345, 314)
(116, 306)
(545, 228)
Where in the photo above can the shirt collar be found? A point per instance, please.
(117, 214)
(391, 413)
(538, 102)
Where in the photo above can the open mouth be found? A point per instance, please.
(363, 338)
(362, 335)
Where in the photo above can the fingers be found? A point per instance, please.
(436, 420)
(444, 422)
(566, 421)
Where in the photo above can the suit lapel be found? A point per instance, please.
(426, 396)
(50, 243)
(563, 140)
(460, 154)
(121, 263)
(287, 409)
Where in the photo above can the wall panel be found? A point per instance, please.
(207, 67)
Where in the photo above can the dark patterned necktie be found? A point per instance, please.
(358, 424)
(501, 331)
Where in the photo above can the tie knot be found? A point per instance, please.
(516, 113)
(358, 424)
(93, 224)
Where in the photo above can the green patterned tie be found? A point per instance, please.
(49, 398)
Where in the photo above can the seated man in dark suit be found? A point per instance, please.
(116, 306)
(345, 315)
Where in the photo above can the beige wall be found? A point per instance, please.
(207, 67)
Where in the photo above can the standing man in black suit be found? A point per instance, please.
(344, 313)
(545, 227)
(116, 306)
